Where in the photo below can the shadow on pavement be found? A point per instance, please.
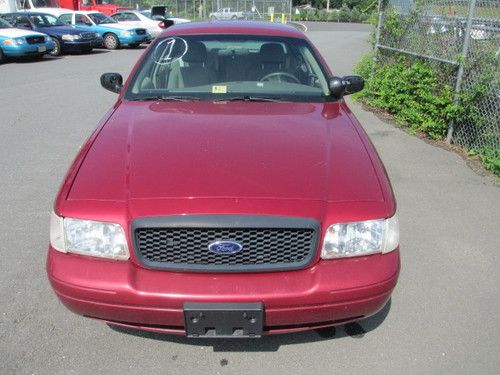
(270, 343)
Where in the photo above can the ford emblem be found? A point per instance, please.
(225, 247)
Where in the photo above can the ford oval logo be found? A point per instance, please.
(225, 247)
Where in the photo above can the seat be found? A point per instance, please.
(272, 59)
(195, 70)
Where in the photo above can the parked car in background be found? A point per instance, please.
(161, 13)
(230, 192)
(226, 14)
(20, 43)
(104, 6)
(113, 33)
(66, 38)
(137, 19)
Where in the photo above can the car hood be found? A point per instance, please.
(117, 26)
(15, 33)
(151, 150)
(61, 30)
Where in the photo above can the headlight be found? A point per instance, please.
(14, 41)
(126, 33)
(70, 37)
(361, 238)
(88, 237)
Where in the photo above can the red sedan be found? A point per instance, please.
(229, 192)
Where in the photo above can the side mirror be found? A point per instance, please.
(112, 82)
(353, 84)
(345, 86)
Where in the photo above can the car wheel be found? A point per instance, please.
(57, 49)
(111, 41)
(134, 45)
(234, 17)
(2, 57)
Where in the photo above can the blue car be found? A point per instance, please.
(113, 33)
(66, 38)
(18, 43)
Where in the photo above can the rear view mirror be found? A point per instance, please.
(112, 82)
(345, 86)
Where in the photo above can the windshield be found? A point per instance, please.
(100, 18)
(211, 67)
(4, 24)
(45, 20)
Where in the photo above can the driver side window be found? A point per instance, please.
(81, 19)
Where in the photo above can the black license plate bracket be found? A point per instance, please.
(211, 320)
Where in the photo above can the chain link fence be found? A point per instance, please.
(461, 40)
(196, 10)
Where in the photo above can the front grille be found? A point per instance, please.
(140, 31)
(263, 248)
(89, 35)
(35, 39)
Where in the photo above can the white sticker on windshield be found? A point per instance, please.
(169, 50)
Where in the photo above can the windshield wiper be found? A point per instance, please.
(247, 98)
(169, 98)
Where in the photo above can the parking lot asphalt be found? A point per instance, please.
(444, 316)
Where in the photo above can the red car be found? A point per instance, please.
(229, 192)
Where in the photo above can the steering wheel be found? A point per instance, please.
(280, 74)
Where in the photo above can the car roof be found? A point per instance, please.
(235, 27)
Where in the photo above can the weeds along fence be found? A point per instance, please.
(202, 9)
(461, 41)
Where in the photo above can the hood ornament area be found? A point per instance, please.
(225, 247)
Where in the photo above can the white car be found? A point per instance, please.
(136, 19)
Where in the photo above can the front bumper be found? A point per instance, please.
(78, 46)
(121, 292)
(26, 49)
(135, 38)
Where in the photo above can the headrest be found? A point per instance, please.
(272, 53)
(196, 53)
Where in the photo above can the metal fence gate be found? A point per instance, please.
(462, 40)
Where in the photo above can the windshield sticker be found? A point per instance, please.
(170, 50)
(219, 89)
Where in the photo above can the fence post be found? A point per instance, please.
(460, 73)
(377, 36)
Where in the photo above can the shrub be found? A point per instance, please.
(411, 92)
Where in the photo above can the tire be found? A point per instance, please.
(111, 41)
(134, 45)
(234, 18)
(2, 57)
(57, 49)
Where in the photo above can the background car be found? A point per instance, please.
(161, 13)
(137, 19)
(114, 34)
(18, 42)
(66, 38)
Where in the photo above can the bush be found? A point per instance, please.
(410, 91)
